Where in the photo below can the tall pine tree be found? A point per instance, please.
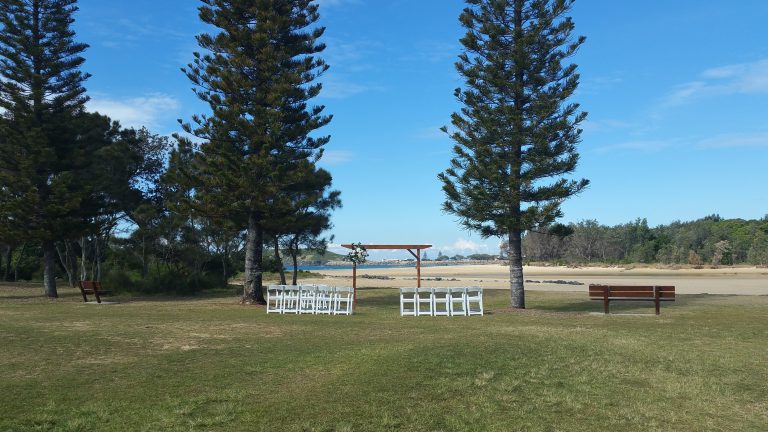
(517, 133)
(257, 74)
(41, 93)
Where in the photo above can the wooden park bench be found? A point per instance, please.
(93, 287)
(607, 293)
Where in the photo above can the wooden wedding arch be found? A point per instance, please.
(409, 248)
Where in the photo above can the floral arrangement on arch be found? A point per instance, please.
(358, 254)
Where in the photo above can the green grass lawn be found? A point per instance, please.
(209, 364)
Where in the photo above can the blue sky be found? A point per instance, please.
(677, 95)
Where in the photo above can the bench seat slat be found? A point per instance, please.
(631, 298)
(608, 293)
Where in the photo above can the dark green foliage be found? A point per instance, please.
(42, 151)
(710, 240)
(163, 282)
(257, 75)
(516, 134)
(305, 213)
(482, 257)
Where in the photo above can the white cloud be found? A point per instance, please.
(431, 133)
(332, 3)
(136, 112)
(337, 248)
(756, 139)
(334, 88)
(759, 139)
(741, 78)
(464, 247)
(606, 125)
(433, 52)
(639, 145)
(336, 157)
(684, 92)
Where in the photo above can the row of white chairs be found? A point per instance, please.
(309, 299)
(441, 301)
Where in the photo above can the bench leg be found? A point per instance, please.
(85, 299)
(605, 303)
(658, 306)
(98, 298)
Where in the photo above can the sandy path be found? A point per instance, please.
(742, 281)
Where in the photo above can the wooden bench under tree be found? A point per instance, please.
(94, 288)
(608, 293)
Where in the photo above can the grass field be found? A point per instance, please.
(208, 364)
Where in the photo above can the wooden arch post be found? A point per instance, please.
(415, 250)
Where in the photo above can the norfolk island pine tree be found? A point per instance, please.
(516, 134)
(42, 95)
(257, 74)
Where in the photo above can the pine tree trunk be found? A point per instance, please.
(517, 290)
(253, 257)
(279, 260)
(83, 270)
(224, 257)
(3, 267)
(295, 257)
(8, 257)
(49, 269)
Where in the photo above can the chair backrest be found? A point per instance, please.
(344, 292)
(424, 291)
(474, 291)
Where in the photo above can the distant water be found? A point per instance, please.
(349, 267)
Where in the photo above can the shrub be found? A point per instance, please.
(164, 282)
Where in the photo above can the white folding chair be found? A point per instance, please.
(291, 296)
(343, 299)
(275, 298)
(458, 301)
(307, 298)
(407, 301)
(324, 300)
(440, 302)
(474, 301)
(424, 301)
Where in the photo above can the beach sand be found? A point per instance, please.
(724, 280)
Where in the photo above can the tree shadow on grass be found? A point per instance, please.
(585, 306)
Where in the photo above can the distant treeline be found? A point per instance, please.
(708, 241)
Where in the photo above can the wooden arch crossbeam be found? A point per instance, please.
(415, 250)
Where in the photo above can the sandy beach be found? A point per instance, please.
(724, 280)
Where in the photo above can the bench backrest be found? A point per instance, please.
(627, 291)
(90, 285)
